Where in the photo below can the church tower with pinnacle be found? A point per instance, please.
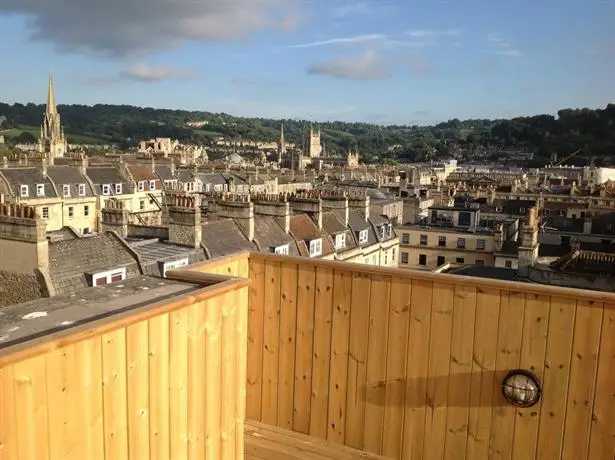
(52, 142)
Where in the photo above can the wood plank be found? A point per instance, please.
(533, 350)
(271, 342)
(137, 364)
(242, 299)
(159, 402)
(602, 436)
(510, 334)
(555, 378)
(114, 394)
(256, 310)
(178, 382)
(213, 366)
(357, 359)
(227, 390)
(416, 371)
(306, 284)
(379, 310)
(197, 378)
(8, 416)
(483, 373)
(287, 346)
(586, 342)
(338, 372)
(323, 317)
(395, 386)
(462, 346)
(438, 370)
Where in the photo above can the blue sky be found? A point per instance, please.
(407, 62)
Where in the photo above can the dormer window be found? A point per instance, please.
(141, 185)
(23, 190)
(118, 189)
(382, 232)
(390, 230)
(283, 250)
(108, 277)
(106, 189)
(340, 241)
(363, 237)
(81, 189)
(40, 189)
(66, 191)
(316, 247)
(152, 185)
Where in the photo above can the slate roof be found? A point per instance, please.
(358, 224)
(108, 175)
(270, 234)
(563, 224)
(379, 221)
(153, 251)
(604, 224)
(224, 237)
(70, 260)
(17, 177)
(69, 175)
(333, 225)
(303, 229)
(184, 175)
(164, 172)
(142, 172)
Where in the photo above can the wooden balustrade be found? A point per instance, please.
(409, 364)
(164, 381)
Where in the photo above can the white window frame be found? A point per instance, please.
(45, 212)
(108, 274)
(382, 232)
(40, 189)
(282, 250)
(152, 185)
(106, 189)
(118, 189)
(363, 237)
(172, 265)
(316, 247)
(23, 190)
(340, 241)
(66, 191)
(390, 229)
(141, 185)
(81, 189)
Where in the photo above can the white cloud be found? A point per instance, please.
(422, 33)
(118, 28)
(141, 73)
(500, 46)
(350, 8)
(341, 41)
(368, 66)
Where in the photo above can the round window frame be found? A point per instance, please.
(531, 376)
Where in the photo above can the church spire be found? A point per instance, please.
(51, 97)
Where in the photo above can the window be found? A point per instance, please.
(442, 241)
(393, 256)
(118, 189)
(87, 230)
(45, 212)
(106, 189)
(565, 241)
(480, 262)
(86, 210)
(423, 240)
(141, 185)
(340, 241)
(382, 232)
(390, 230)
(282, 250)
(66, 191)
(386, 258)
(152, 185)
(480, 244)
(461, 243)
(404, 257)
(23, 190)
(405, 238)
(316, 247)
(81, 189)
(422, 259)
(605, 242)
(71, 212)
(441, 260)
(173, 265)
(108, 277)
(460, 260)
(508, 264)
(521, 210)
(40, 189)
(141, 205)
(363, 237)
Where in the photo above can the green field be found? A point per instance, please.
(84, 138)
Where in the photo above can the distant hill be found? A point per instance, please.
(591, 130)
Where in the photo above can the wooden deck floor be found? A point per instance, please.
(264, 442)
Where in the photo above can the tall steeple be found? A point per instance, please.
(282, 146)
(52, 141)
(51, 97)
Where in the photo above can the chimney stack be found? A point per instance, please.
(185, 220)
(44, 166)
(84, 164)
(360, 203)
(273, 205)
(240, 209)
(337, 202)
(114, 217)
(5, 162)
(528, 250)
(309, 203)
(23, 239)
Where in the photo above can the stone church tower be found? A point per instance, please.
(52, 141)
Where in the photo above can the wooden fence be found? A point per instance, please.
(410, 365)
(165, 381)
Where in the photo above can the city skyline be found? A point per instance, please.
(352, 61)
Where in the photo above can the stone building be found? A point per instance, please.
(52, 142)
